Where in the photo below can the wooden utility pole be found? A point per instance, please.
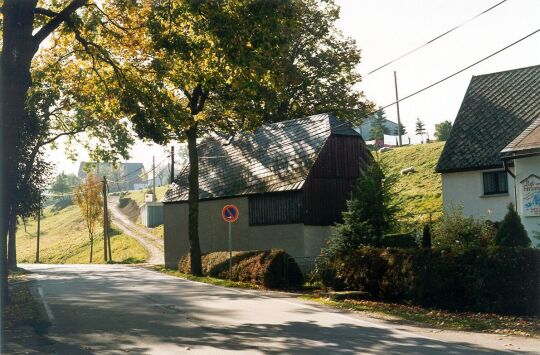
(105, 220)
(154, 178)
(172, 165)
(397, 107)
(38, 229)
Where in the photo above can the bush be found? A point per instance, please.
(404, 240)
(458, 232)
(265, 268)
(511, 232)
(499, 280)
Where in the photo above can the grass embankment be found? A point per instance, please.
(64, 240)
(138, 197)
(420, 191)
(439, 319)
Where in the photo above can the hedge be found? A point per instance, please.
(264, 267)
(498, 280)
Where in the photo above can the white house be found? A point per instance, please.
(492, 157)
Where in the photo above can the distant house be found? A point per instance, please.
(290, 181)
(365, 128)
(123, 176)
(492, 157)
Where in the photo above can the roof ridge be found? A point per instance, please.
(506, 71)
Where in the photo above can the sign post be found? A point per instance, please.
(230, 214)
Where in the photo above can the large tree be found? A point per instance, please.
(442, 130)
(30, 30)
(192, 54)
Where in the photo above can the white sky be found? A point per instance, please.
(385, 29)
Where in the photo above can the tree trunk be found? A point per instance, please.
(193, 201)
(4, 294)
(12, 251)
(91, 247)
(18, 49)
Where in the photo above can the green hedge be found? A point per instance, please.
(399, 241)
(499, 280)
(265, 267)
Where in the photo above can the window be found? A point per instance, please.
(495, 182)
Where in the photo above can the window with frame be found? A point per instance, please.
(495, 182)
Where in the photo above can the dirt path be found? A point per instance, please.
(152, 243)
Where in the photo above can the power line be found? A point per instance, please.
(459, 71)
(436, 38)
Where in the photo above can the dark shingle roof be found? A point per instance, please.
(276, 157)
(497, 107)
(528, 142)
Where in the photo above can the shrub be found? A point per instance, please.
(268, 268)
(499, 280)
(370, 213)
(458, 232)
(403, 240)
(511, 232)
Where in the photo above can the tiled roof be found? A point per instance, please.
(497, 107)
(276, 157)
(527, 142)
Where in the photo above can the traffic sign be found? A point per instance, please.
(230, 213)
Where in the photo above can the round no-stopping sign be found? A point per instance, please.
(230, 213)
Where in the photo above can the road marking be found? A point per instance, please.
(46, 305)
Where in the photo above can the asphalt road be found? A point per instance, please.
(115, 309)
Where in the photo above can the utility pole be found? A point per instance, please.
(172, 165)
(38, 229)
(397, 106)
(154, 178)
(105, 220)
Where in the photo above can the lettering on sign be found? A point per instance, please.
(531, 196)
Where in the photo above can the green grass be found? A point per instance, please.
(205, 279)
(64, 239)
(138, 195)
(480, 322)
(421, 191)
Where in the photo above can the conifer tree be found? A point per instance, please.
(511, 232)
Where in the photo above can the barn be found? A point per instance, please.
(290, 181)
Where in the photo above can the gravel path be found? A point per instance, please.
(152, 243)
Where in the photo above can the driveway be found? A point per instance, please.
(152, 243)
(117, 309)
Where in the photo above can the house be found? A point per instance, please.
(122, 176)
(490, 159)
(524, 153)
(290, 181)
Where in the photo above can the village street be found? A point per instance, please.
(116, 309)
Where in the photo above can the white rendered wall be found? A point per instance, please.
(524, 168)
(466, 189)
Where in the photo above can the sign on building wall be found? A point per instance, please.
(531, 196)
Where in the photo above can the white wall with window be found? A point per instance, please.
(481, 193)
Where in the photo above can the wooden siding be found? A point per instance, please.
(332, 179)
(276, 208)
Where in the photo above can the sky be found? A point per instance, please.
(385, 29)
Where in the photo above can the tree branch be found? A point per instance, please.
(56, 21)
(45, 12)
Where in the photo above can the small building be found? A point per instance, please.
(490, 158)
(290, 181)
(152, 214)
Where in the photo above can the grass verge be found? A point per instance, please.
(467, 321)
(23, 309)
(205, 279)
